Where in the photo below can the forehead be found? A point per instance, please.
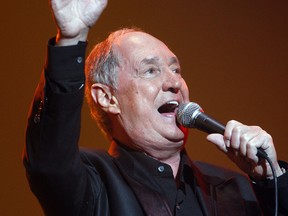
(138, 46)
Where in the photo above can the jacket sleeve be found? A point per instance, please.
(51, 156)
(265, 192)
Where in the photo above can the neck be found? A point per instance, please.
(170, 157)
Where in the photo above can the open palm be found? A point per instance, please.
(72, 16)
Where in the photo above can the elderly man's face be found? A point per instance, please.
(150, 87)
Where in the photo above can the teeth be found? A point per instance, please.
(168, 107)
(173, 102)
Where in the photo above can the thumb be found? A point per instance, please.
(218, 140)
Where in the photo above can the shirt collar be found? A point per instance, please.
(135, 160)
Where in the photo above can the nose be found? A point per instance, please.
(172, 82)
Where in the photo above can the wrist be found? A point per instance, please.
(62, 40)
(278, 172)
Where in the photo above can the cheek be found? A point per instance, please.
(139, 94)
(143, 91)
(130, 98)
(150, 91)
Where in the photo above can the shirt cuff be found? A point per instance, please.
(65, 62)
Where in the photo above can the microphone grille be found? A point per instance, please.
(186, 114)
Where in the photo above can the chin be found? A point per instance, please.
(177, 137)
(180, 136)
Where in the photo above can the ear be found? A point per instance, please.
(104, 98)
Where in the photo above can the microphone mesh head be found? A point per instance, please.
(186, 114)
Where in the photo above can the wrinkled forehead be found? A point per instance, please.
(136, 46)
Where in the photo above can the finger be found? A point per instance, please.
(248, 134)
(228, 131)
(218, 140)
(241, 135)
(238, 132)
(260, 141)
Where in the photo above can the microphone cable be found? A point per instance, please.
(262, 154)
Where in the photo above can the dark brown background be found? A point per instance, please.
(233, 55)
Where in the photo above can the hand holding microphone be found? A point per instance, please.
(243, 144)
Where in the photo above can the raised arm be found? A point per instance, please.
(55, 171)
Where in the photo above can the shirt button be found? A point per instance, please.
(161, 169)
(79, 60)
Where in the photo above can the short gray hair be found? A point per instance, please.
(102, 66)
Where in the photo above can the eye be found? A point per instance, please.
(176, 70)
(151, 72)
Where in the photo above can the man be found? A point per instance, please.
(134, 86)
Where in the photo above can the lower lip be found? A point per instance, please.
(169, 115)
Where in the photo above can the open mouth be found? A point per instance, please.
(168, 107)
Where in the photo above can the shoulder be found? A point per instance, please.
(94, 156)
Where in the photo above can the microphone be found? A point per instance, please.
(191, 115)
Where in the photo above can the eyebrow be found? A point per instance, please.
(173, 60)
(154, 60)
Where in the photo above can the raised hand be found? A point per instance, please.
(240, 143)
(74, 17)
